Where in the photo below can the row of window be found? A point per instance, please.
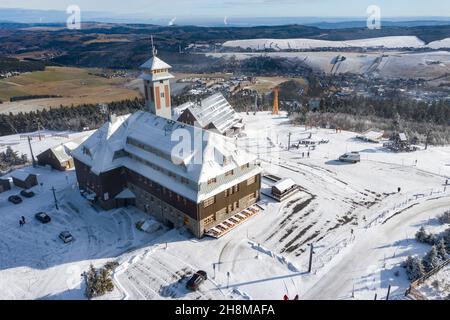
(183, 180)
(230, 208)
(165, 191)
(228, 173)
(232, 190)
(228, 192)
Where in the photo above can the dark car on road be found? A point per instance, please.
(43, 217)
(15, 199)
(27, 194)
(195, 281)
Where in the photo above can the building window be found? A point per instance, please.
(229, 173)
(236, 188)
(226, 193)
(208, 202)
(251, 181)
(208, 220)
(211, 181)
(245, 166)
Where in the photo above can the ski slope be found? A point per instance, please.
(266, 257)
(394, 42)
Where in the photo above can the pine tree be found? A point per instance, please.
(431, 260)
(421, 234)
(442, 249)
(414, 268)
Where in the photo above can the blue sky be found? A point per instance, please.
(246, 8)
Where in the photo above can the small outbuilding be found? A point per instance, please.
(24, 179)
(284, 189)
(5, 185)
(59, 157)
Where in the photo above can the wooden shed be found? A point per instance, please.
(5, 185)
(24, 179)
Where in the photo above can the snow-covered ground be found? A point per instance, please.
(263, 258)
(440, 44)
(437, 287)
(385, 64)
(393, 42)
(41, 140)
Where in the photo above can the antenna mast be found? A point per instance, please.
(153, 47)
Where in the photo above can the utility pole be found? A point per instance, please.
(228, 279)
(54, 197)
(289, 141)
(389, 292)
(376, 295)
(428, 139)
(310, 257)
(214, 268)
(31, 151)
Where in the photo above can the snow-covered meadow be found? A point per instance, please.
(393, 42)
(362, 228)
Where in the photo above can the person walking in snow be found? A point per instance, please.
(23, 220)
(308, 154)
(20, 223)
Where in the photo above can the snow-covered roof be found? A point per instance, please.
(162, 150)
(126, 194)
(61, 153)
(214, 110)
(20, 175)
(372, 135)
(155, 63)
(284, 185)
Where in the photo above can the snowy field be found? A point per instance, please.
(393, 42)
(41, 141)
(263, 258)
(385, 64)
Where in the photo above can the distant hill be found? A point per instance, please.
(119, 45)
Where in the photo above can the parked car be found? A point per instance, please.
(15, 199)
(66, 237)
(27, 194)
(43, 217)
(195, 281)
(352, 157)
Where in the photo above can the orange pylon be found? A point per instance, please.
(276, 91)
